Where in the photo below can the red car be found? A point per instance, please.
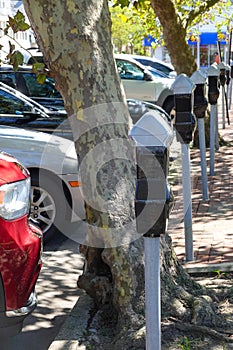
(20, 247)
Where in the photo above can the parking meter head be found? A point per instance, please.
(185, 121)
(153, 136)
(213, 88)
(200, 100)
(228, 71)
(222, 74)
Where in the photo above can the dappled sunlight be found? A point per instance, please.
(212, 220)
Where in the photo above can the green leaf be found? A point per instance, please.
(16, 59)
(38, 67)
(40, 78)
(17, 23)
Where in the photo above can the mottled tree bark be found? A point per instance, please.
(75, 38)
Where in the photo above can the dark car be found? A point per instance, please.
(20, 247)
(25, 81)
(16, 109)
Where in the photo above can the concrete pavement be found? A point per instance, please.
(212, 232)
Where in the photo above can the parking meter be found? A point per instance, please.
(185, 121)
(185, 124)
(222, 74)
(153, 136)
(213, 88)
(200, 106)
(213, 94)
(200, 100)
(228, 78)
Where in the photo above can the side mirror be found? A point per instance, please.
(148, 76)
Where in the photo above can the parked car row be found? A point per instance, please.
(142, 82)
(39, 180)
(19, 110)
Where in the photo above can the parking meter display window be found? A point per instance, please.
(151, 189)
(200, 101)
(213, 91)
(152, 162)
(183, 103)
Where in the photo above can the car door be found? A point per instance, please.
(135, 81)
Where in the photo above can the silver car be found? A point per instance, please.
(52, 161)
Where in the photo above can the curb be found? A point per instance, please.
(72, 331)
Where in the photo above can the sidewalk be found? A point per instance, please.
(212, 223)
(212, 232)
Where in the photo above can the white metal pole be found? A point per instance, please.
(152, 293)
(223, 110)
(216, 129)
(230, 94)
(187, 201)
(213, 110)
(201, 132)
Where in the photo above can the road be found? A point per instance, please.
(57, 294)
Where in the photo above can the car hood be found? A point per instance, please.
(11, 170)
(40, 150)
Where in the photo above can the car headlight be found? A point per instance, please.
(14, 199)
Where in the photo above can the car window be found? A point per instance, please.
(8, 78)
(11, 104)
(155, 65)
(27, 83)
(128, 70)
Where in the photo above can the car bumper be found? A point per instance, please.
(11, 322)
(73, 185)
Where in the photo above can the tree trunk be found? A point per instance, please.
(75, 39)
(174, 35)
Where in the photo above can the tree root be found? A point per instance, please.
(203, 330)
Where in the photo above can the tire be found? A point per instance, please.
(48, 205)
(169, 106)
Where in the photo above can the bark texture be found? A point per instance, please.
(75, 38)
(174, 34)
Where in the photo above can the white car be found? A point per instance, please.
(52, 162)
(139, 83)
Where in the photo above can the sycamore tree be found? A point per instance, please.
(75, 38)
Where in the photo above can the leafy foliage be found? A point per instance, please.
(15, 57)
(17, 23)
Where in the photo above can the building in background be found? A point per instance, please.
(204, 41)
(21, 39)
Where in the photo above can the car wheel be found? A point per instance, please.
(48, 209)
(168, 106)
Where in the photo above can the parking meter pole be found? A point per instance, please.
(231, 74)
(228, 81)
(153, 137)
(187, 201)
(200, 107)
(213, 94)
(201, 132)
(216, 128)
(223, 110)
(153, 293)
(213, 113)
(185, 124)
